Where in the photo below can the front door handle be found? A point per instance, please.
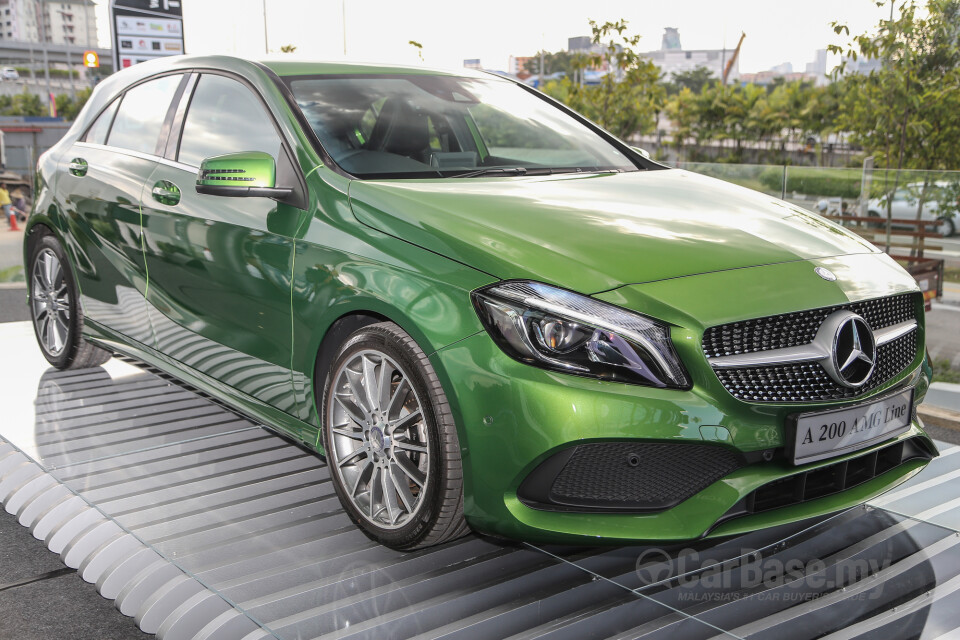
(165, 192)
(78, 167)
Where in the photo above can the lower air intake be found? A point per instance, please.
(626, 476)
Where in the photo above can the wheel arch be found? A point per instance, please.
(335, 335)
(350, 320)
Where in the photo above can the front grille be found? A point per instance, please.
(632, 476)
(808, 382)
(795, 329)
(829, 479)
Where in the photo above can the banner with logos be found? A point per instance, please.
(145, 29)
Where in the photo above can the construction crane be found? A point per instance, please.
(733, 58)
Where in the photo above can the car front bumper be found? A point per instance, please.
(512, 417)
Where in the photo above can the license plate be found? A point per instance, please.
(833, 433)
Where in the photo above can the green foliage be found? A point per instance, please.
(29, 104)
(54, 73)
(943, 372)
(68, 108)
(820, 182)
(905, 112)
(629, 98)
(693, 79)
(22, 104)
(418, 46)
(559, 62)
(12, 274)
(500, 129)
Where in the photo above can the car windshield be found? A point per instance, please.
(414, 126)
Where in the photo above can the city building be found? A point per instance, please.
(815, 73)
(672, 58)
(766, 78)
(62, 22)
(818, 68)
(517, 66)
(861, 65)
(671, 39)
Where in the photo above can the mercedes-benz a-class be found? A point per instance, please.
(482, 309)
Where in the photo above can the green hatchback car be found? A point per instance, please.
(485, 311)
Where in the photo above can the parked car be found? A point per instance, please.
(9, 73)
(485, 311)
(906, 199)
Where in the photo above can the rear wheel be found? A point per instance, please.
(390, 440)
(55, 309)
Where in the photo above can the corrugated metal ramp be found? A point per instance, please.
(203, 524)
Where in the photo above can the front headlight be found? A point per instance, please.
(563, 331)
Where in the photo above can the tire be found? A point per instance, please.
(55, 309)
(875, 220)
(399, 477)
(946, 227)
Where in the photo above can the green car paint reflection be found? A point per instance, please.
(246, 277)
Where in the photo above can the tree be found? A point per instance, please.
(419, 47)
(69, 108)
(22, 104)
(905, 113)
(629, 97)
(559, 62)
(692, 79)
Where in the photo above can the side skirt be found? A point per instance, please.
(260, 412)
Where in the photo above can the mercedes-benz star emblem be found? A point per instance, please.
(854, 352)
(825, 273)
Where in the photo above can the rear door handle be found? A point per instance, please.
(78, 167)
(165, 192)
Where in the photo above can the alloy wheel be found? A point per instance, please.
(50, 302)
(378, 439)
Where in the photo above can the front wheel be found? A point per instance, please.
(391, 444)
(946, 227)
(55, 309)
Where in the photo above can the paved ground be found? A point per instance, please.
(12, 306)
(41, 599)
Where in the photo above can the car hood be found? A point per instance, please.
(592, 233)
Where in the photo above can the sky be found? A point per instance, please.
(492, 30)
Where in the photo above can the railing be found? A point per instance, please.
(902, 212)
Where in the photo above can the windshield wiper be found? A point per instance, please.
(504, 171)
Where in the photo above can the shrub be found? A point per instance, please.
(831, 183)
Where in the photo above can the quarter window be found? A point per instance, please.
(141, 115)
(98, 132)
(225, 117)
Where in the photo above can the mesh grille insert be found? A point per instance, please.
(806, 382)
(629, 475)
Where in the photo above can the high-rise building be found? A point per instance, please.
(671, 39)
(817, 69)
(57, 22)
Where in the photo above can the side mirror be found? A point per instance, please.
(249, 174)
(641, 151)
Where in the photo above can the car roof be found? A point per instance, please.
(287, 67)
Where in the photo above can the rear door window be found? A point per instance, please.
(141, 114)
(97, 134)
